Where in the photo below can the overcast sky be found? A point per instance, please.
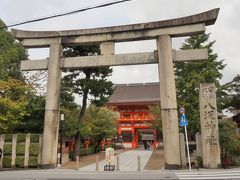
(225, 31)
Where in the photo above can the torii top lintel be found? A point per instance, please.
(185, 26)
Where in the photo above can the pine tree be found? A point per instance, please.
(87, 82)
(189, 75)
(233, 94)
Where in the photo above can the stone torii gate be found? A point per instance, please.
(162, 31)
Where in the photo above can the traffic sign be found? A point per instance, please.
(182, 110)
(183, 120)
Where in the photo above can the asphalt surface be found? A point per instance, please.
(74, 175)
(58, 174)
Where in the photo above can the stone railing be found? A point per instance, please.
(20, 150)
(195, 150)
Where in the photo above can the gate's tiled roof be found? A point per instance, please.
(136, 93)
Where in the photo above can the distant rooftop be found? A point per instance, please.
(136, 93)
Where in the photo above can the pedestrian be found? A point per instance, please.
(145, 144)
(148, 145)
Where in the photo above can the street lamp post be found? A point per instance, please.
(62, 119)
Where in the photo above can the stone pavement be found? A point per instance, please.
(156, 161)
(128, 161)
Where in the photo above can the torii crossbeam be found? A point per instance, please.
(162, 31)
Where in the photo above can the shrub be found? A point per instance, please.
(8, 137)
(7, 161)
(21, 138)
(34, 137)
(199, 161)
(85, 151)
(33, 149)
(20, 161)
(7, 149)
(33, 161)
(229, 141)
(20, 149)
(71, 153)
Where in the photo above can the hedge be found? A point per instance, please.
(8, 137)
(33, 149)
(33, 161)
(83, 152)
(21, 138)
(20, 161)
(20, 149)
(34, 138)
(6, 162)
(7, 149)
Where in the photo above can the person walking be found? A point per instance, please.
(148, 145)
(145, 144)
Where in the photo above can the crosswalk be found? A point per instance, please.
(223, 174)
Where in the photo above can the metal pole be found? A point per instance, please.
(58, 160)
(62, 119)
(61, 142)
(189, 163)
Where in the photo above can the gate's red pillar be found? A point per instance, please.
(155, 139)
(136, 138)
(133, 136)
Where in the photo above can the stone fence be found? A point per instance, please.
(20, 150)
(195, 150)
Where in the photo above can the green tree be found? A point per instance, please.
(67, 97)
(233, 94)
(71, 122)
(100, 123)
(155, 112)
(13, 104)
(33, 122)
(190, 74)
(21, 108)
(11, 52)
(228, 138)
(13, 89)
(87, 82)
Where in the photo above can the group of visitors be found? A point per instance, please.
(147, 145)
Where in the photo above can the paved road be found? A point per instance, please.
(144, 175)
(128, 161)
(77, 175)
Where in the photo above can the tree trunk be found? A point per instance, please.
(81, 118)
(76, 146)
(96, 144)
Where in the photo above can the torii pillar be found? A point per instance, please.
(51, 120)
(168, 103)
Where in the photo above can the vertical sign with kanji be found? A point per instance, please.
(109, 156)
(209, 125)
